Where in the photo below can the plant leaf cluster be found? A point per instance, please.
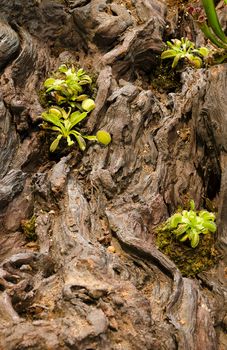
(185, 49)
(67, 86)
(71, 107)
(189, 224)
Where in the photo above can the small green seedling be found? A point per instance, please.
(185, 49)
(67, 86)
(63, 124)
(188, 224)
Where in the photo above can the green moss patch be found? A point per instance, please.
(166, 79)
(190, 261)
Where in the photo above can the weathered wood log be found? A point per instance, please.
(94, 278)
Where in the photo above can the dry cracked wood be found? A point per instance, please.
(95, 279)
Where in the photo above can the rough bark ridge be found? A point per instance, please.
(69, 291)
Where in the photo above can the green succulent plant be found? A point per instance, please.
(189, 224)
(185, 49)
(70, 105)
(63, 124)
(67, 86)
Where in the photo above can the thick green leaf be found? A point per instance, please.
(213, 21)
(178, 43)
(74, 86)
(103, 137)
(195, 60)
(49, 82)
(56, 111)
(88, 104)
(168, 54)
(81, 97)
(192, 204)
(76, 117)
(55, 85)
(75, 133)
(176, 60)
(80, 72)
(191, 216)
(51, 119)
(68, 125)
(206, 215)
(63, 68)
(72, 104)
(69, 141)
(195, 239)
(203, 51)
(210, 225)
(175, 220)
(184, 238)
(85, 79)
(180, 230)
(81, 142)
(55, 143)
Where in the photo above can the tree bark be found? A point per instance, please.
(94, 279)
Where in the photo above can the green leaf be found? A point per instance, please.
(203, 51)
(54, 128)
(77, 117)
(56, 111)
(213, 21)
(168, 54)
(176, 60)
(75, 133)
(72, 104)
(63, 68)
(206, 215)
(78, 106)
(191, 216)
(85, 80)
(192, 204)
(81, 142)
(81, 97)
(195, 60)
(53, 84)
(91, 137)
(210, 225)
(74, 86)
(175, 220)
(49, 82)
(55, 143)
(184, 238)
(80, 72)
(180, 229)
(51, 119)
(69, 141)
(195, 239)
(68, 125)
(88, 105)
(103, 137)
